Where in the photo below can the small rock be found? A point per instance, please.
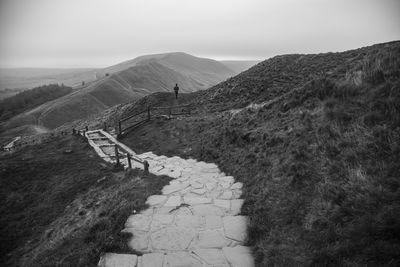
(117, 260)
(237, 185)
(101, 179)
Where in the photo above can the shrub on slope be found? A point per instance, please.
(31, 98)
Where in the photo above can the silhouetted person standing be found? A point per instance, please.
(176, 89)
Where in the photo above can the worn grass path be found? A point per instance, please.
(195, 222)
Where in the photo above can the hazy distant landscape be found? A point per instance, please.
(23, 78)
(117, 84)
(98, 89)
(13, 80)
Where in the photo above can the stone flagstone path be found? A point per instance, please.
(194, 222)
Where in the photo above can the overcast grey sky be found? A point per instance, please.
(99, 33)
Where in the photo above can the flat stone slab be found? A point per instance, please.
(226, 195)
(235, 227)
(213, 222)
(174, 182)
(236, 206)
(200, 191)
(190, 221)
(173, 201)
(196, 185)
(117, 260)
(161, 220)
(207, 209)
(152, 260)
(239, 256)
(223, 203)
(212, 239)
(139, 222)
(211, 185)
(139, 241)
(212, 257)
(156, 200)
(172, 238)
(181, 259)
(196, 200)
(174, 188)
(164, 210)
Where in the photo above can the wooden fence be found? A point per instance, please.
(131, 122)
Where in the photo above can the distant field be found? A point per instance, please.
(27, 78)
(4, 93)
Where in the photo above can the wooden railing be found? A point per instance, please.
(133, 121)
(130, 158)
(129, 123)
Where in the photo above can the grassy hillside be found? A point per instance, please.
(203, 71)
(316, 141)
(31, 98)
(64, 209)
(154, 77)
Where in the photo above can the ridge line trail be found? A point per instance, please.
(195, 221)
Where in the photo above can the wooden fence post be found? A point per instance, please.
(146, 167)
(119, 128)
(129, 160)
(117, 155)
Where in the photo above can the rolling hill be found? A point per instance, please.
(125, 82)
(203, 72)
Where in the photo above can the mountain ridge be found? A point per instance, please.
(125, 82)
